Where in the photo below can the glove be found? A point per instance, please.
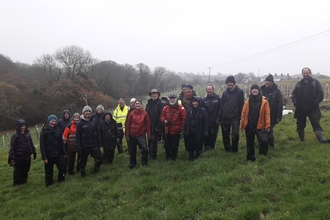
(205, 134)
(34, 155)
(182, 134)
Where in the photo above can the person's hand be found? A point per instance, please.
(165, 121)
(65, 156)
(46, 161)
(34, 155)
(12, 163)
(278, 120)
(267, 130)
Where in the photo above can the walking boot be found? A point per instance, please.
(319, 136)
(271, 143)
(191, 156)
(301, 134)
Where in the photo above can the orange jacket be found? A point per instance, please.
(69, 136)
(264, 115)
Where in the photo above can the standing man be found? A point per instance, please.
(188, 97)
(173, 117)
(274, 97)
(211, 103)
(232, 102)
(183, 87)
(87, 140)
(62, 123)
(120, 115)
(154, 109)
(306, 96)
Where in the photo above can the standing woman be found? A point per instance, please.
(255, 119)
(138, 124)
(53, 150)
(21, 148)
(69, 138)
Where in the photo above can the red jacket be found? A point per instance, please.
(138, 123)
(175, 117)
(69, 136)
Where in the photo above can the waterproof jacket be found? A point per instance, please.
(175, 115)
(202, 122)
(231, 104)
(87, 133)
(51, 142)
(275, 104)
(212, 106)
(138, 124)
(318, 95)
(154, 109)
(69, 136)
(264, 115)
(108, 133)
(21, 145)
(62, 123)
(120, 115)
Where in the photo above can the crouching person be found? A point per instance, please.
(255, 119)
(53, 150)
(87, 141)
(21, 148)
(137, 125)
(107, 136)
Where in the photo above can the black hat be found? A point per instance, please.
(270, 78)
(190, 87)
(230, 79)
(255, 86)
(172, 96)
(196, 98)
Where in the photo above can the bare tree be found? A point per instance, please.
(49, 67)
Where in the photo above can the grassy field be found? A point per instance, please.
(293, 184)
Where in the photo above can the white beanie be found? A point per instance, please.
(86, 108)
(101, 107)
(133, 100)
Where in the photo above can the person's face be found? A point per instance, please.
(76, 119)
(66, 115)
(195, 104)
(99, 111)
(154, 96)
(188, 92)
(254, 91)
(107, 117)
(121, 102)
(172, 100)
(52, 123)
(22, 128)
(87, 114)
(268, 84)
(183, 89)
(209, 90)
(306, 73)
(138, 105)
(230, 85)
(131, 103)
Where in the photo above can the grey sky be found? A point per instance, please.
(180, 35)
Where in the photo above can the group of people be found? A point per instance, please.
(187, 116)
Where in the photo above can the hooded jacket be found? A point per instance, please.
(202, 121)
(275, 104)
(21, 145)
(138, 124)
(108, 132)
(87, 133)
(120, 115)
(51, 142)
(175, 115)
(62, 123)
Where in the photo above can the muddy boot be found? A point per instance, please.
(271, 143)
(319, 136)
(301, 134)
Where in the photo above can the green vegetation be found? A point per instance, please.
(293, 184)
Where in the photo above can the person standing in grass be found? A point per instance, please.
(137, 125)
(108, 135)
(232, 102)
(53, 150)
(119, 115)
(255, 120)
(306, 97)
(211, 103)
(173, 117)
(21, 149)
(195, 128)
(275, 100)
(87, 140)
(69, 138)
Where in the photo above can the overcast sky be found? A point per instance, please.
(180, 35)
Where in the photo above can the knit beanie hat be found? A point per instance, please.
(230, 79)
(255, 86)
(51, 117)
(75, 115)
(270, 78)
(132, 100)
(100, 107)
(86, 108)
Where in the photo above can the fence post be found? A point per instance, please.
(37, 131)
(3, 140)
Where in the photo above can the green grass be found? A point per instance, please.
(293, 184)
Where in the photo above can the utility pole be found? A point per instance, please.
(209, 73)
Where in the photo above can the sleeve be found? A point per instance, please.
(147, 121)
(162, 116)
(206, 118)
(128, 125)
(320, 92)
(43, 145)
(183, 117)
(243, 114)
(267, 115)
(65, 135)
(12, 150)
(294, 96)
(33, 148)
(279, 104)
(241, 101)
(78, 137)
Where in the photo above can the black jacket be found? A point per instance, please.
(202, 122)
(21, 145)
(318, 95)
(108, 133)
(212, 106)
(87, 133)
(231, 104)
(154, 110)
(51, 142)
(275, 104)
